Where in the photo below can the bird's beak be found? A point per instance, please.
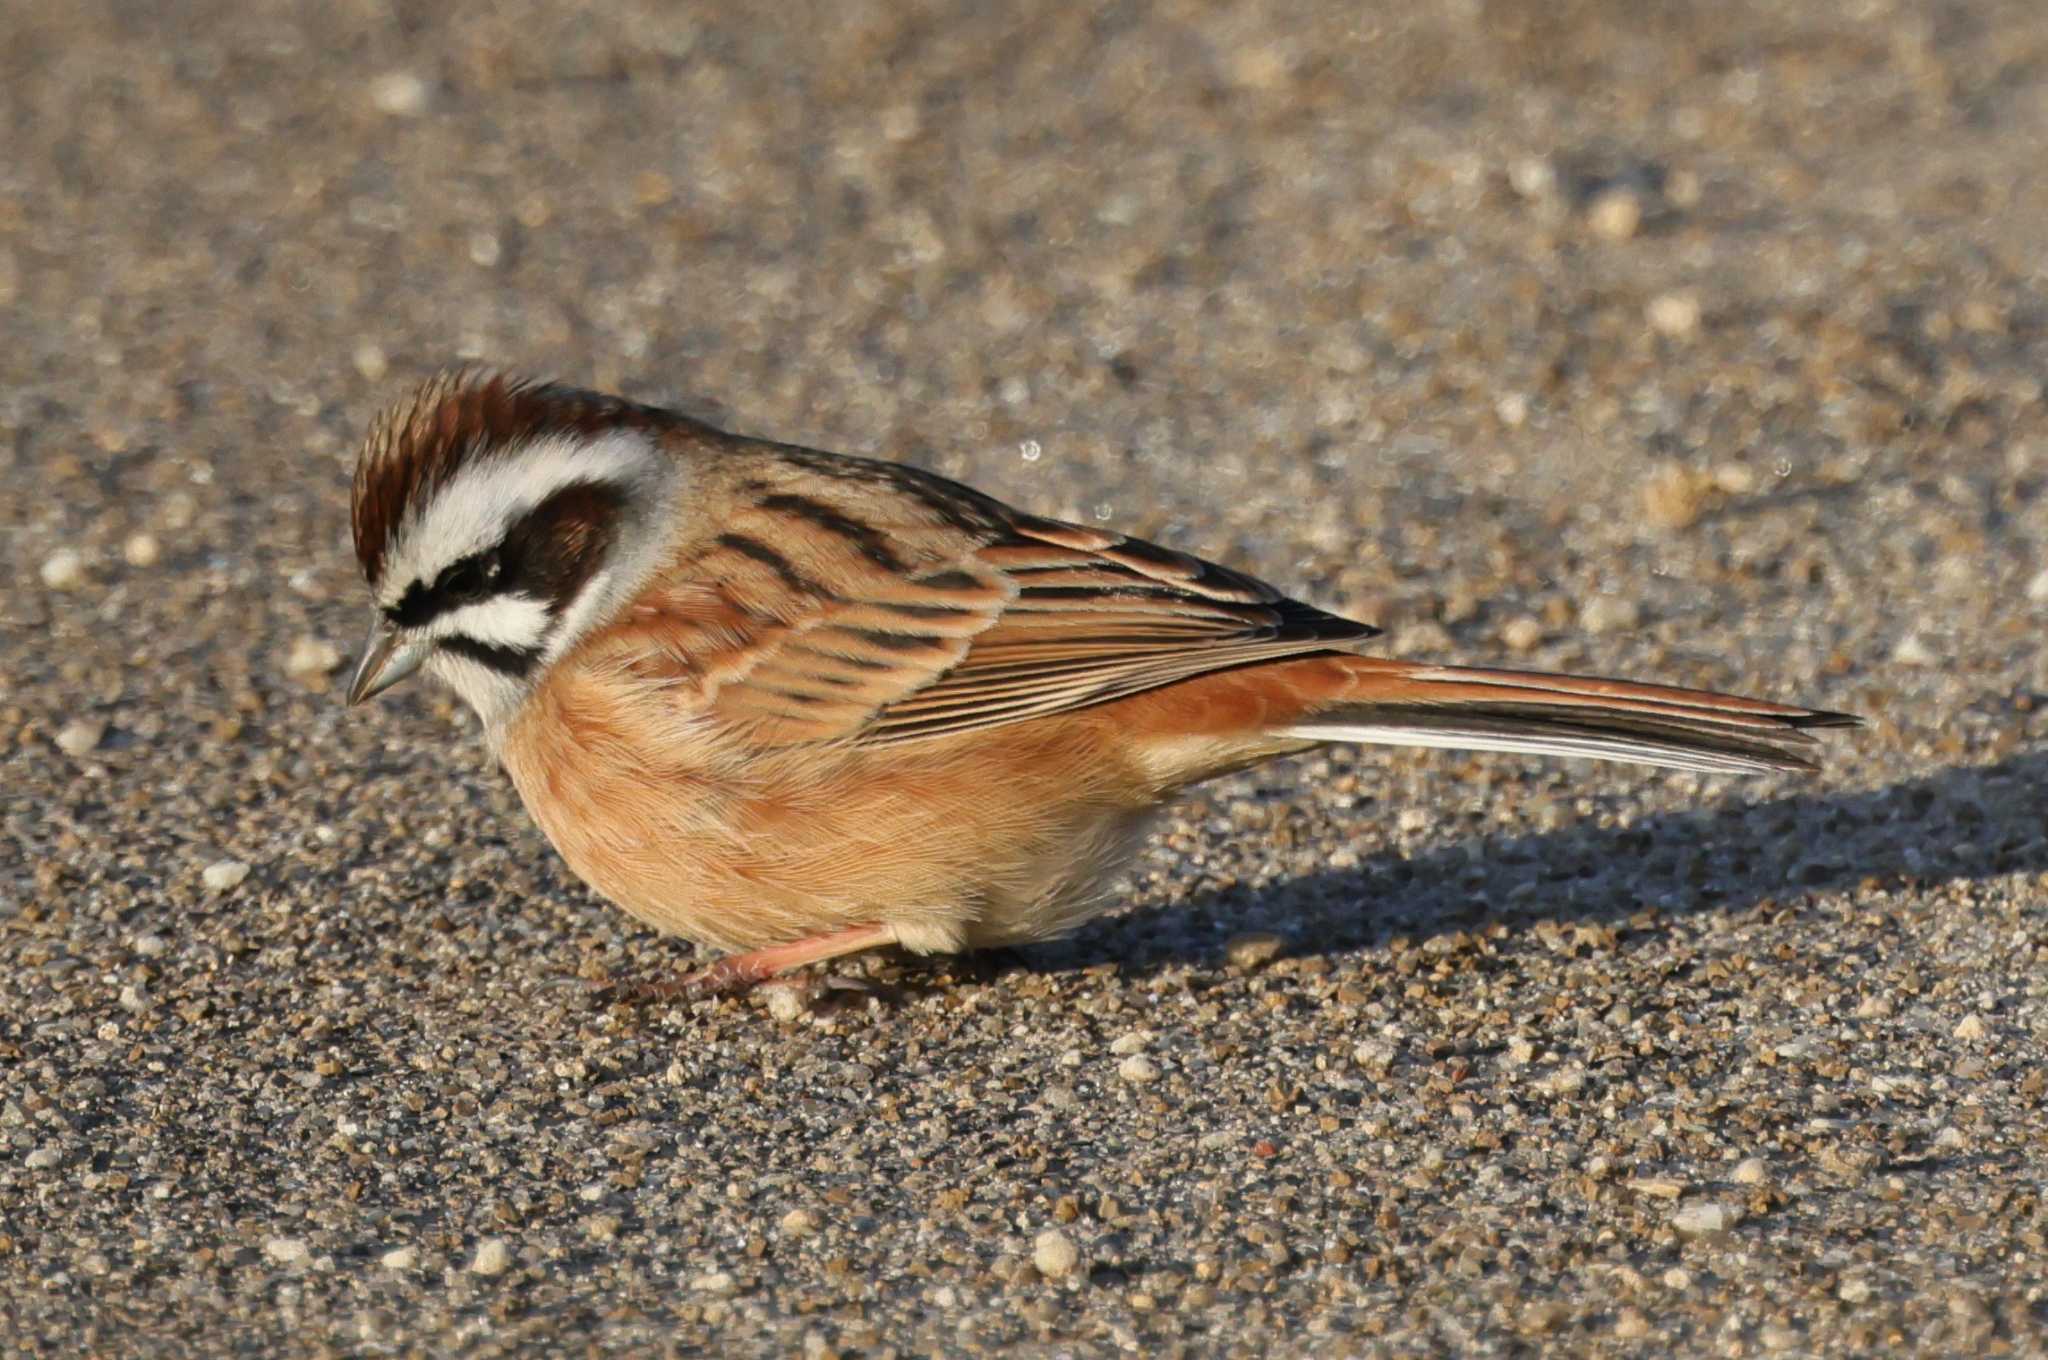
(387, 659)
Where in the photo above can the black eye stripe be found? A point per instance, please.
(461, 582)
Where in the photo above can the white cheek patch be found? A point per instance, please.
(472, 512)
(515, 621)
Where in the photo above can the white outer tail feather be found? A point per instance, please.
(1638, 751)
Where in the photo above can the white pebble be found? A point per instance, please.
(1911, 651)
(142, 550)
(1705, 1216)
(1138, 1069)
(1610, 614)
(1411, 820)
(134, 998)
(1751, 1171)
(64, 569)
(1676, 316)
(399, 93)
(224, 875)
(1855, 1289)
(719, 1282)
(799, 1223)
(1735, 479)
(493, 1257)
(1055, 1254)
(2037, 589)
(399, 1258)
(310, 657)
(1615, 215)
(1971, 1028)
(370, 360)
(484, 249)
(43, 1158)
(1134, 1042)
(1512, 409)
(286, 1250)
(784, 1000)
(1533, 177)
(78, 737)
(150, 946)
(1677, 1279)
(1521, 634)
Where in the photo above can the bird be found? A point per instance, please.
(791, 705)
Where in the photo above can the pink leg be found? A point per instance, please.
(738, 972)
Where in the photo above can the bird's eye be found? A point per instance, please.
(469, 579)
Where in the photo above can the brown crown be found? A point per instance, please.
(417, 445)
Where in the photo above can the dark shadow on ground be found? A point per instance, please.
(1960, 824)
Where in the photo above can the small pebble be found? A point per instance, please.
(151, 946)
(1254, 950)
(1055, 1254)
(493, 1257)
(785, 1001)
(64, 569)
(1970, 1028)
(134, 998)
(1702, 1217)
(716, 1282)
(1677, 1279)
(80, 736)
(1412, 820)
(43, 1158)
(312, 658)
(142, 550)
(285, 1250)
(1533, 177)
(1751, 1171)
(1138, 1069)
(1512, 409)
(1658, 1187)
(1854, 1290)
(399, 1258)
(2037, 589)
(1631, 1325)
(1610, 614)
(399, 93)
(1134, 1042)
(484, 249)
(1735, 479)
(370, 360)
(1674, 496)
(1615, 215)
(1521, 634)
(1676, 316)
(1911, 651)
(224, 875)
(799, 1223)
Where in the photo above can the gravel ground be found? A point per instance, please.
(1693, 342)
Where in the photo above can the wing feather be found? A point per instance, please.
(881, 604)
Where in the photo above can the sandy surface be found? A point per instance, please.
(1703, 343)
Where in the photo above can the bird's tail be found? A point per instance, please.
(1400, 703)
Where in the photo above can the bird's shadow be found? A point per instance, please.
(1965, 823)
